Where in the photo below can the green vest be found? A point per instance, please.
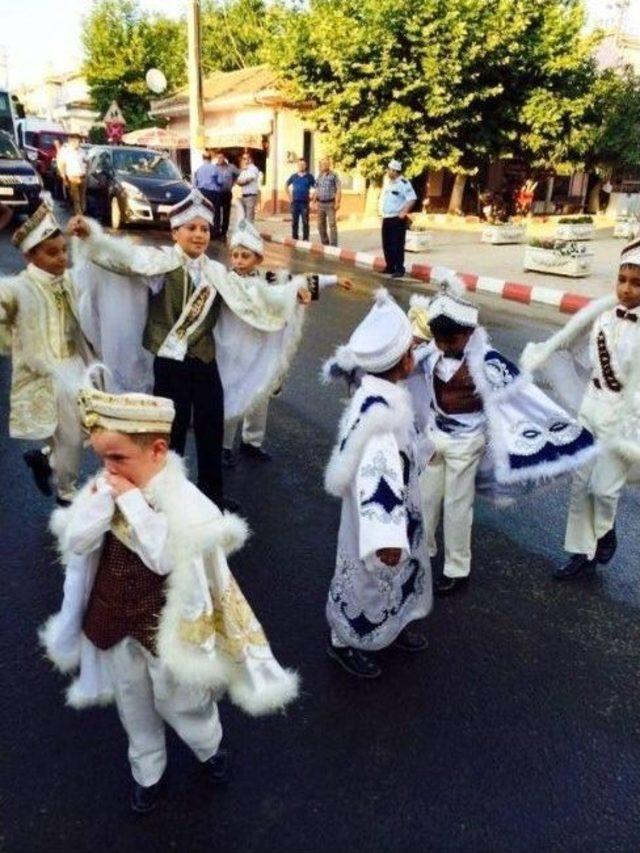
(164, 309)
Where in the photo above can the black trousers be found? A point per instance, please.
(221, 211)
(394, 231)
(195, 388)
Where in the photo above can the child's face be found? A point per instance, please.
(50, 255)
(453, 345)
(193, 237)
(243, 260)
(136, 462)
(628, 286)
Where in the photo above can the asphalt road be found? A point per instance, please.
(516, 731)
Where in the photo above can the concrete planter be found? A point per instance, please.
(553, 262)
(626, 228)
(418, 241)
(582, 231)
(503, 234)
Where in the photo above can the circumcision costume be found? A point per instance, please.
(152, 617)
(215, 344)
(373, 470)
(490, 427)
(40, 329)
(254, 423)
(593, 367)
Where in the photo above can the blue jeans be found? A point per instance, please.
(300, 210)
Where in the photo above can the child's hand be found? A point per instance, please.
(389, 556)
(345, 283)
(78, 227)
(119, 484)
(304, 295)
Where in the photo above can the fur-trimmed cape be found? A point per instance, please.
(207, 634)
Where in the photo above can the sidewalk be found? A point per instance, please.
(483, 267)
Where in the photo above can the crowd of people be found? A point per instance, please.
(134, 344)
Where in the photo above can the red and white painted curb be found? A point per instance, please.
(526, 294)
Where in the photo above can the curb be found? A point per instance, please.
(526, 294)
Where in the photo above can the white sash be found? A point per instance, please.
(197, 307)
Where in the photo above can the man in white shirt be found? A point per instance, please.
(396, 200)
(74, 173)
(249, 179)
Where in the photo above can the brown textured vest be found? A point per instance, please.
(164, 309)
(126, 599)
(458, 395)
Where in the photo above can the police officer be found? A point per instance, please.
(396, 200)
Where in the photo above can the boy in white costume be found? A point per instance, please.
(485, 421)
(151, 614)
(39, 316)
(173, 319)
(247, 253)
(382, 580)
(593, 363)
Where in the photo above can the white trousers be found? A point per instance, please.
(596, 487)
(254, 427)
(147, 696)
(64, 448)
(448, 486)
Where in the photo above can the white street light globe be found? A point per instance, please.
(156, 80)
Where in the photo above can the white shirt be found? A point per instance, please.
(249, 179)
(75, 162)
(395, 196)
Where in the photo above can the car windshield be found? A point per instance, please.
(148, 164)
(8, 150)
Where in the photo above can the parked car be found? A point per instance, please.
(127, 185)
(37, 138)
(20, 184)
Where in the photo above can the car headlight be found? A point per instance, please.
(32, 155)
(131, 191)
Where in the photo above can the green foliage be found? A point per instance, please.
(97, 135)
(120, 45)
(233, 33)
(439, 83)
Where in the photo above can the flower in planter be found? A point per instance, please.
(575, 220)
(563, 248)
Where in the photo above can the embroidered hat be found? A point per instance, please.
(131, 413)
(194, 205)
(246, 235)
(38, 228)
(418, 315)
(450, 301)
(631, 253)
(396, 165)
(379, 342)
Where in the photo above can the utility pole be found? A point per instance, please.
(194, 73)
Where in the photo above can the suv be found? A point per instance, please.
(37, 137)
(126, 184)
(20, 184)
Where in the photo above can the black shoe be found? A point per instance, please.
(447, 586)
(229, 504)
(40, 468)
(217, 767)
(144, 799)
(607, 546)
(228, 458)
(255, 452)
(397, 274)
(63, 501)
(354, 661)
(410, 641)
(579, 564)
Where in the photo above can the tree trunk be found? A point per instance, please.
(457, 193)
(593, 201)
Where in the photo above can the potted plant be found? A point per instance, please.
(419, 238)
(626, 226)
(558, 257)
(502, 233)
(575, 228)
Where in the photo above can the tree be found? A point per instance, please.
(439, 83)
(120, 45)
(234, 33)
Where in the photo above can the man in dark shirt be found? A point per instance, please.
(299, 188)
(223, 177)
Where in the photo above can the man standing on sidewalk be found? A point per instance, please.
(396, 200)
(203, 177)
(249, 179)
(74, 174)
(224, 176)
(299, 189)
(328, 198)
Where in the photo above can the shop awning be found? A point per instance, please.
(232, 140)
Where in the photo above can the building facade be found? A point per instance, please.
(63, 99)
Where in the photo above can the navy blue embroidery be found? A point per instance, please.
(384, 496)
(499, 370)
(361, 625)
(409, 586)
(406, 467)
(446, 424)
(366, 405)
(552, 452)
(414, 524)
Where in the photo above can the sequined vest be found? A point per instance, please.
(458, 395)
(126, 598)
(164, 309)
